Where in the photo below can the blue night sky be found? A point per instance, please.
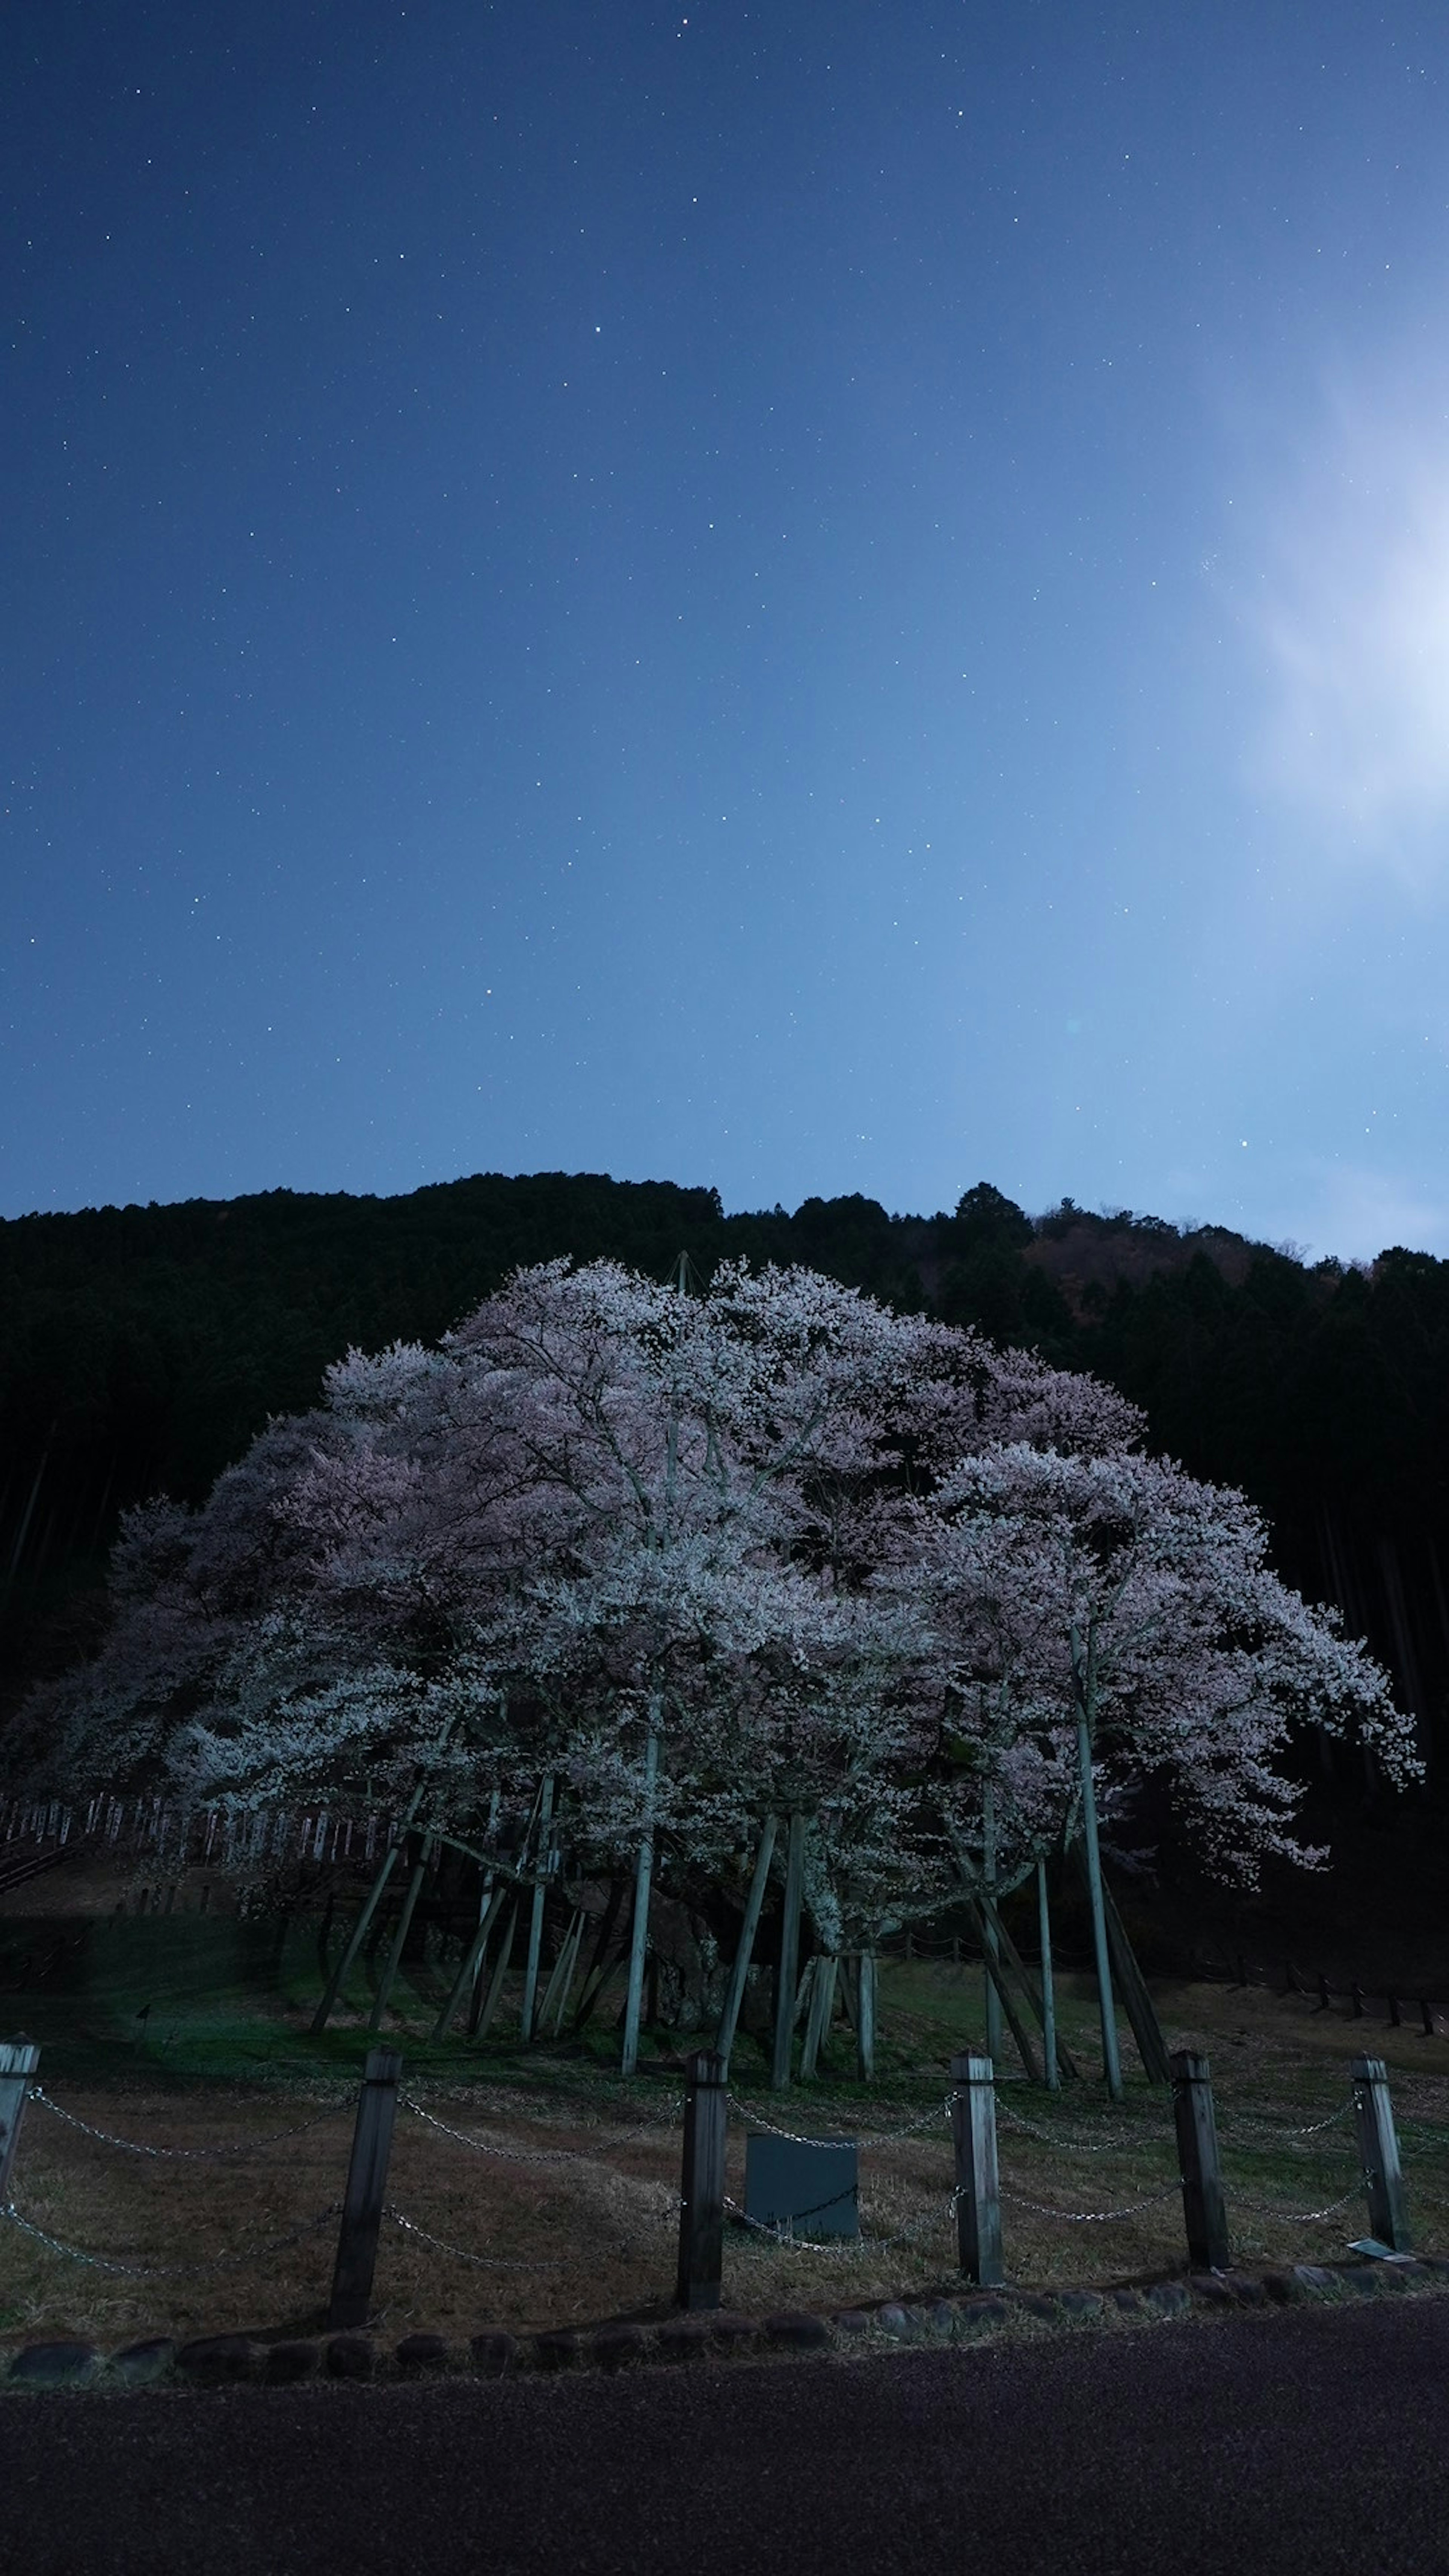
(809, 597)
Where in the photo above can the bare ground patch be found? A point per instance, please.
(552, 2207)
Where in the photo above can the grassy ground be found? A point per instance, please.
(191, 2033)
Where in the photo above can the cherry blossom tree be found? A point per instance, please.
(1116, 1609)
(703, 1562)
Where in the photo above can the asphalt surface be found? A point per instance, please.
(1295, 2444)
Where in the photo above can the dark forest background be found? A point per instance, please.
(142, 1347)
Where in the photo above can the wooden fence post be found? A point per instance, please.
(19, 2059)
(978, 2190)
(701, 2207)
(1197, 2153)
(366, 2184)
(1378, 2148)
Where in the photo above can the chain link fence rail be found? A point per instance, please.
(1249, 2132)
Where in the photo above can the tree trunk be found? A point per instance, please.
(787, 1971)
(1111, 2060)
(639, 1929)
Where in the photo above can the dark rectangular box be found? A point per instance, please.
(807, 2187)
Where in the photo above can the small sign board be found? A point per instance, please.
(1381, 2253)
(803, 2187)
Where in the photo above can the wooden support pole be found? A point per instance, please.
(601, 1965)
(724, 2038)
(360, 1928)
(556, 1992)
(1197, 2156)
(1048, 1983)
(544, 2006)
(865, 2017)
(324, 1931)
(639, 1928)
(478, 2029)
(822, 2004)
(1378, 2149)
(535, 1919)
(787, 1969)
(978, 2192)
(990, 1928)
(19, 2059)
(702, 2189)
(566, 1984)
(1111, 2060)
(470, 1975)
(1066, 2063)
(1141, 2010)
(366, 2186)
(996, 1985)
(803, 1993)
(473, 1958)
(404, 1922)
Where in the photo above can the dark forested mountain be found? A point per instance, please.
(143, 1347)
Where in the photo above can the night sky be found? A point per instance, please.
(838, 595)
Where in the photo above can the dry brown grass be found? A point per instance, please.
(571, 2202)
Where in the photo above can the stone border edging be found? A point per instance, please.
(959, 2317)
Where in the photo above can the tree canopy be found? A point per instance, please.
(703, 1559)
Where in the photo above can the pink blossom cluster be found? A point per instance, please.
(819, 1555)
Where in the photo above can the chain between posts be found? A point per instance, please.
(188, 2155)
(873, 2138)
(172, 2271)
(460, 2253)
(1078, 2146)
(1082, 2217)
(540, 2155)
(1270, 2208)
(849, 2248)
(1276, 2129)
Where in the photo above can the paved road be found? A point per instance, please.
(1297, 2444)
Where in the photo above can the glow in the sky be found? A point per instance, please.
(830, 598)
(1353, 612)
